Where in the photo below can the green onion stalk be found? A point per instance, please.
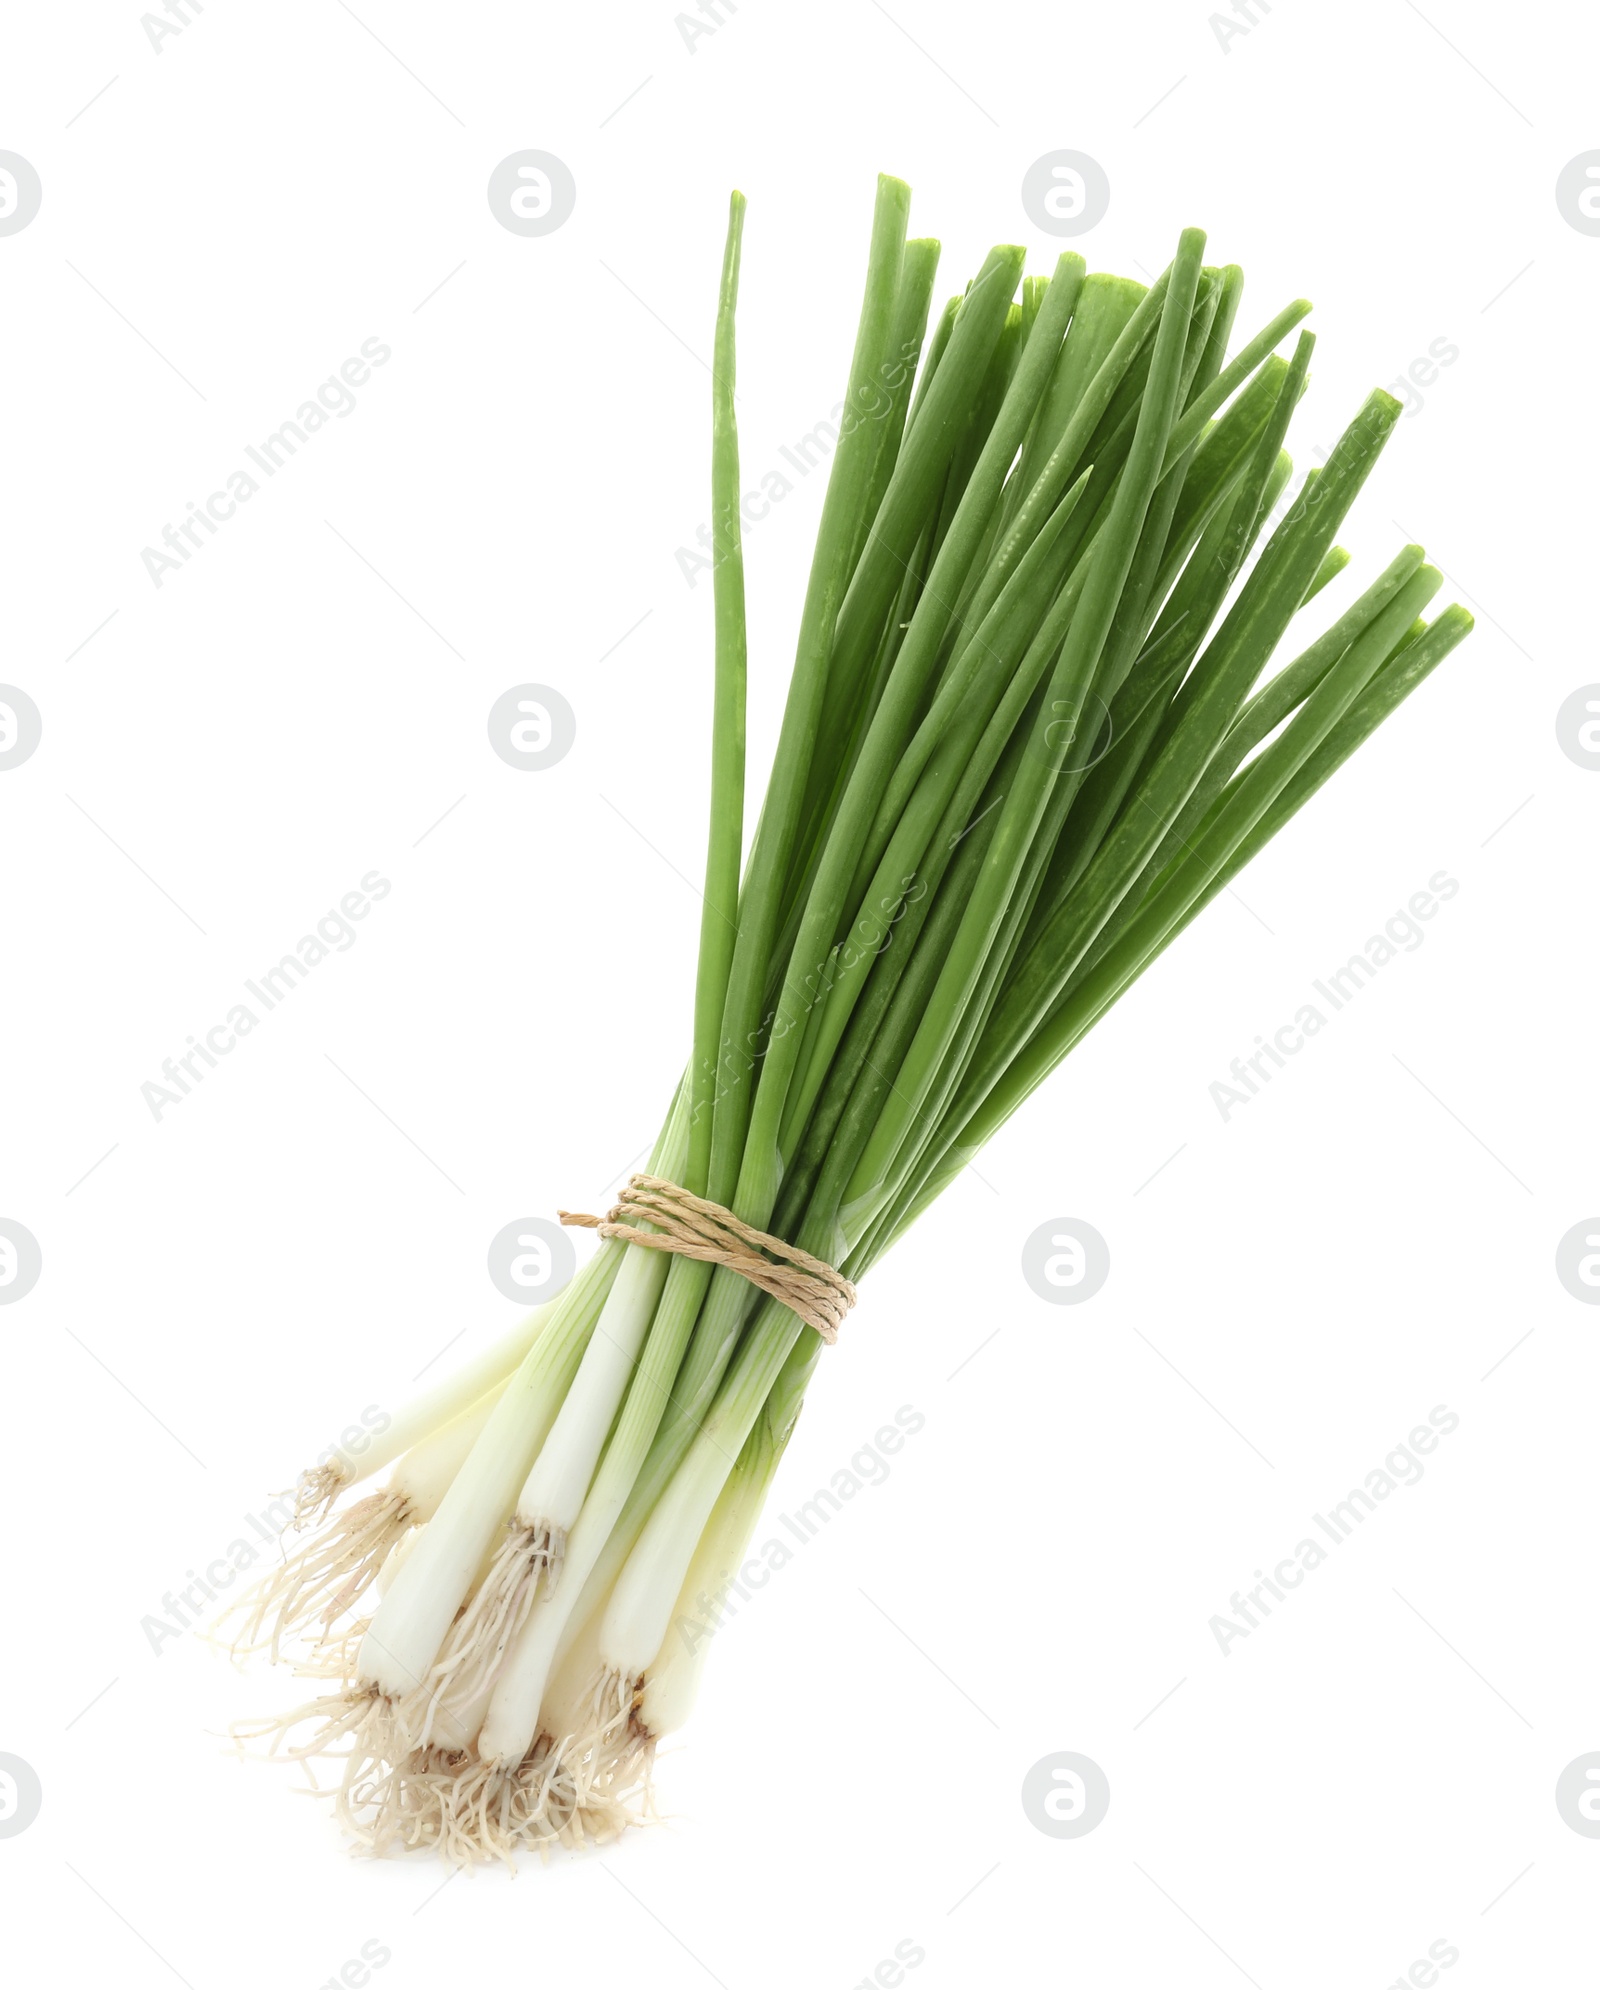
(1035, 724)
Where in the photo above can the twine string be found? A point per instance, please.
(691, 1227)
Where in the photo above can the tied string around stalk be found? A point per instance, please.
(690, 1227)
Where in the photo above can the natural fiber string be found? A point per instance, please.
(690, 1227)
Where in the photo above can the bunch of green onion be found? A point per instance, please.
(1030, 732)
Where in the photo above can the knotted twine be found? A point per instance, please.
(690, 1227)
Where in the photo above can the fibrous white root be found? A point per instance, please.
(438, 1714)
(360, 1716)
(324, 1580)
(315, 1491)
(582, 1789)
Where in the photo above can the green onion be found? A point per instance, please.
(1032, 729)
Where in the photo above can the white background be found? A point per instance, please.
(225, 756)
